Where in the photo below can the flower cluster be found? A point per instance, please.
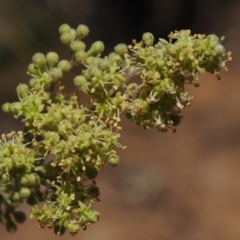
(65, 144)
(165, 68)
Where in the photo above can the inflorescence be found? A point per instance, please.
(65, 144)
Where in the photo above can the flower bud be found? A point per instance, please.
(161, 63)
(96, 48)
(77, 46)
(64, 65)
(64, 28)
(92, 216)
(114, 57)
(36, 84)
(82, 31)
(91, 172)
(6, 152)
(17, 106)
(39, 59)
(93, 191)
(55, 73)
(79, 80)
(16, 197)
(24, 192)
(92, 61)
(113, 160)
(103, 64)
(5, 178)
(80, 56)
(7, 107)
(67, 38)
(73, 34)
(219, 49)
(148, 38)
(32, 68)
(96, 72)
(121, 49)
(73, 227)
(52, 58)
(57, 116)
(22, 90)
(30, 179)
(213, 39)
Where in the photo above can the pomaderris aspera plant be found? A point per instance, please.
(57, 157)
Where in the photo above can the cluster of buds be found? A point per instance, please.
(165, 68)
(65, 144)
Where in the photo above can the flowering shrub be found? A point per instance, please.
(65, 144)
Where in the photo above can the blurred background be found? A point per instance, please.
(168, 186)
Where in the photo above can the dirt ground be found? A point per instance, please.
(168, 186)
